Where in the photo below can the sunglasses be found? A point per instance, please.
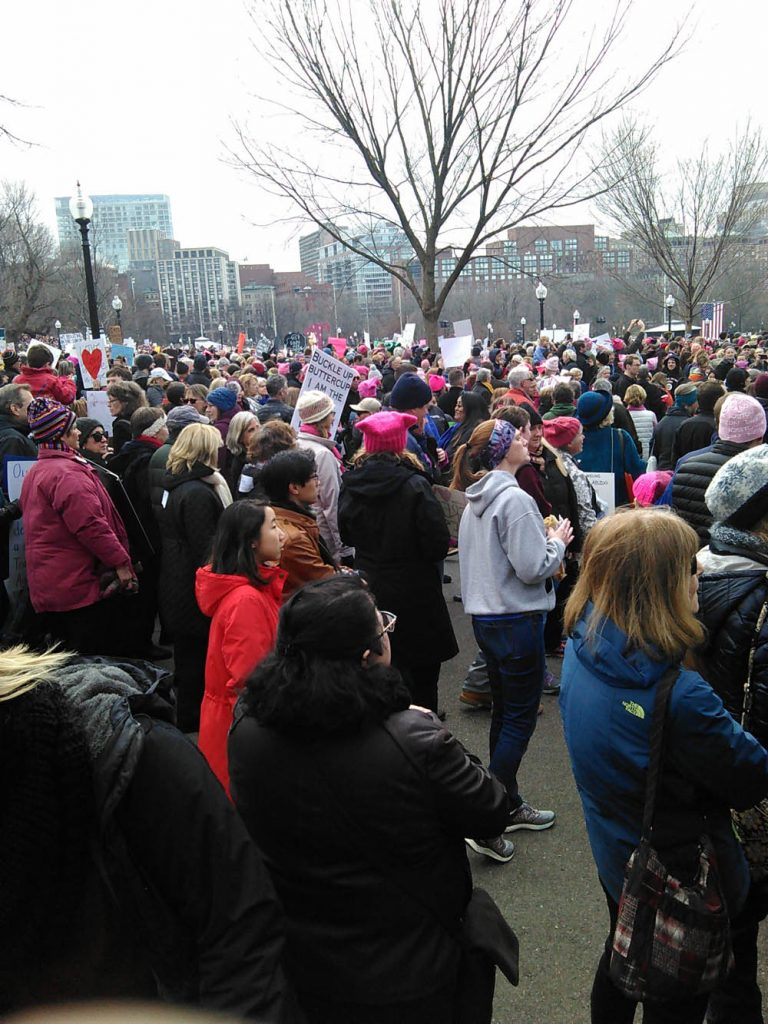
(97, 435)
(191, 401)
(390, 621)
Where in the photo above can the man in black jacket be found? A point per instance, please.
(276, 406)
(685, 406)
(447, 401)
(741, 426)
(632, 365)
(697, 432)
(15, 443)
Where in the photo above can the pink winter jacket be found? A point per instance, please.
(43, 382)
(72, 532)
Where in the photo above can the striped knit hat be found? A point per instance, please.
(49, 420)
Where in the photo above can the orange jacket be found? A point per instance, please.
(301, 558)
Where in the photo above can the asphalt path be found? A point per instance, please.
(549, 891)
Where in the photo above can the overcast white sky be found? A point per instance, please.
(138, 97)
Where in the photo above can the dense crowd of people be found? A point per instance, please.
(227, 780)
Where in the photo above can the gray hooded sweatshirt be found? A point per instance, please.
(504, 554)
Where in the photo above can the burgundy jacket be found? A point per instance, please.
(42, 381)
(72, 532)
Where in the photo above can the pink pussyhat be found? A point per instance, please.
(385, 431)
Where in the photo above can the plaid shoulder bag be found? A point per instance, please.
(671, 940)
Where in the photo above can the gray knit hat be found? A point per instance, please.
(181, 416)
(738, 494)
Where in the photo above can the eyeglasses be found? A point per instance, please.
(191, 401)
(390, 621)
(98, 436)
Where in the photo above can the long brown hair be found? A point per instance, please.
(466, 461)
(637, 573)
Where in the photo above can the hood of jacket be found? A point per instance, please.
(198, 472)
(211, 588)
(483, 494)
(605, 654)
(377, 478)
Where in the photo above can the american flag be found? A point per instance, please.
(711, 320)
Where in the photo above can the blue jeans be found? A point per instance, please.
(513, 646)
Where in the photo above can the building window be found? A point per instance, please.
(556, 245)
(601, 243)
(571, 245)
(540, 245)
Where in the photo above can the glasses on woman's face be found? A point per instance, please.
(97, 436)
(389, 620)
(191, 401)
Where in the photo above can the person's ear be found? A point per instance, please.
(366, 656)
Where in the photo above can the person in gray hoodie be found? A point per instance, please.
(508, 559)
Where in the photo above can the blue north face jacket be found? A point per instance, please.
(710, 763)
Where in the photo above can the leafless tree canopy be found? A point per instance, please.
(451, 120)
(693, 223)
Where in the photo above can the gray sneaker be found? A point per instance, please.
(528, 817)
(551, 685)
(499, 849)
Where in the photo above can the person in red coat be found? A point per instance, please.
(39, 377)
(78, 565)
(241, 590)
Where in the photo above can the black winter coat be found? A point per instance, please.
(350, 827)
(199, 906)
(691, 481)
(694, 434)
(730, 603)
(388, 513)
(132, 466)
(157, 471)
(14, 444)
(665, 436)
(192, 513)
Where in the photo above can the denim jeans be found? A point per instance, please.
(513, 646)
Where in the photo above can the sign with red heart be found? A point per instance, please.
(93, 362)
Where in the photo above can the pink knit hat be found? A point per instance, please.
(368, 389)
(436, 382)
(560, 431)
(385, 431)
(649, 487)
(742, 419)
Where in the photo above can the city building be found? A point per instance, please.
(199, 288)
(349, 273)
(114, 217)
(309, 252)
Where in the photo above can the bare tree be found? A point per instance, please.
(458, 120)
(27, 263)
(692, 224)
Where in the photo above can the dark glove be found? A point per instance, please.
(10, 512)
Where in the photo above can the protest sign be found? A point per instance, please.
(604, 486)
(409, 333)
(462, 328)
(125, 351)
(456, 351)
(241, 341)
(263, 345)
(93, 362)
(453, 504)
(581, 332)
(326, 374)
(98, 409)
(14, 471)
(339, 346)
(366, 338)
(295, 342)
(602, 339)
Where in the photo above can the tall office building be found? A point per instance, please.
(347, 272)
(113, 218)
(199, 288)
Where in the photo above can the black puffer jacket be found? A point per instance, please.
(192, 513)
(665, 436)
(731, 596)
(691, 482)
(362, 833)
(388, 513)
(157, 472)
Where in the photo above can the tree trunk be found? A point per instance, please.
(429, 309)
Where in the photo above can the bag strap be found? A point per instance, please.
(656, 745)
(621, 445)
(746, 708)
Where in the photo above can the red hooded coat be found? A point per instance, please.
(42, 381)
(243, 630)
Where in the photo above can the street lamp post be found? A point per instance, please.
(117, 305)
(523, 322)
(57, 325)
(576, 318)
(81, 208)
(669, 303)
(541, 294)
(221, 334)
(489, 328)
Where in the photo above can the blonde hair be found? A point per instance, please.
(197, 442)
(22, 669)
(636, 573)
(635, 395)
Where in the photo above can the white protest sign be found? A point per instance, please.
(15, 470)
(461, 328)
(333, 378)
(604, 484)
(93, 362)
(581, 332)
(602, 339)
(366, 337)
(98, 409)
(409, 333)
(55, 352)
(456, 351)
